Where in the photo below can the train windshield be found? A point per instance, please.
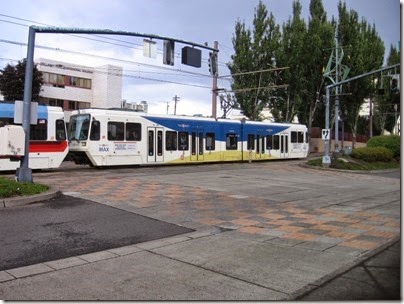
(79, 126)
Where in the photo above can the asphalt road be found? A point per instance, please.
(68, 226)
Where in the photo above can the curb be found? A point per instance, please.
(304, 165)
(26, 200)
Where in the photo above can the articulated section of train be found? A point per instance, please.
(116, 137)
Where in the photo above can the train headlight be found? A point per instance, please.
(83, 144)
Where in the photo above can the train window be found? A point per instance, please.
(183, 140)
(60, 129)
(270, 143)
(193, 143)
(293, 137)
(171, 141)
(95, 130)
(262, 144)
(200, 136)
(210, 141)
(151, 143)
(39, 131)
(300, 137)
(159, 143)
(250, 142)
(133, 131)
(115, 130)
(6, 121)
(276, 142)
(231, 141)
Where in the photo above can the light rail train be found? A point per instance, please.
(48, 144)
(116, 137)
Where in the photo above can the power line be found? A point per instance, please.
(100, 71)
(131, 44)
(107, 58)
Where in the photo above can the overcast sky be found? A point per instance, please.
(190, 20)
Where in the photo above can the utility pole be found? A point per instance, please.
(214, 86)
(175, 98)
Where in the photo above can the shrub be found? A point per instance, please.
(373, 154)
(391, 142)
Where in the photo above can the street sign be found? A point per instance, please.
(19, 109)
(326, 160)
(325, 134)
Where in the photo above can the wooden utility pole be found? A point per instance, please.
(214, 86)
(175, 98)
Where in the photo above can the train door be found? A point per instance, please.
(197, 145)
(284, 145)
(155, 145)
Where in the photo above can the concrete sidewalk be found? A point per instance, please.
(267, 231)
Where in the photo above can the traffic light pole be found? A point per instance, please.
(327, 112)
(24, 174)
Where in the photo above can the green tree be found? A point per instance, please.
(254, 52)
(286, 103)
(12, 80)
(319, 41)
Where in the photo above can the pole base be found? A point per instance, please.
(24, 175)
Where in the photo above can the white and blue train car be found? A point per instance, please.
(48, 144)
(110, 137)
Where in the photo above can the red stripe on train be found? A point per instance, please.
(47, 146)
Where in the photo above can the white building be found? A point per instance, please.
(74, 87)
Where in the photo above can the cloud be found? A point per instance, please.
(191, 100)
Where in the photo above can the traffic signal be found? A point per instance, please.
(168, 52)
(191, 56)
(213, 68)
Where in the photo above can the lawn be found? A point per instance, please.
(10, 188)
(349, 163)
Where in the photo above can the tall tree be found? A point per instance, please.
(285, 105)
(12, 80)
(254, 53)
(317, 49)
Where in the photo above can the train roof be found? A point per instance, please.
(120, 112)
